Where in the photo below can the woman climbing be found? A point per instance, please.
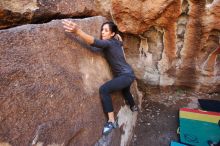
(123, 73)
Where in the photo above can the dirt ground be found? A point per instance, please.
(157, 121)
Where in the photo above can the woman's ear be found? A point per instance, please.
(113, 34)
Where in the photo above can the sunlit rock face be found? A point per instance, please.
(137, 16)
(13, 12)
(177, 41)
(49, 87)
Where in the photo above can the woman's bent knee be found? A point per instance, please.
(103, 90)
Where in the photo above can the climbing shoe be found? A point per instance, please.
(108, 127)
(134, 108)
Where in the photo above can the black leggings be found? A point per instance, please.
(122, 82)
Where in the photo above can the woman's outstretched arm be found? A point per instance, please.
(72, 27)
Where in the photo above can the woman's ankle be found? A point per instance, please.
(111, 120)
(111, 117)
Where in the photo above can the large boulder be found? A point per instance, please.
(49, 88)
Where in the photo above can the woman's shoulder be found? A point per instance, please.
(118, 42)
(115, 41)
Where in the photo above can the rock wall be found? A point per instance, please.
(179, 41)
(49, 87)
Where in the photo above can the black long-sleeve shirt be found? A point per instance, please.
(114, 54)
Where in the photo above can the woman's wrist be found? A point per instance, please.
(77, 31)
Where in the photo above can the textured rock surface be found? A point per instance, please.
(177, 43)
(49, 87)
(197, 47)
(13, 12)
(137, 16)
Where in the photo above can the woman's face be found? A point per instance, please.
(106, 32)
